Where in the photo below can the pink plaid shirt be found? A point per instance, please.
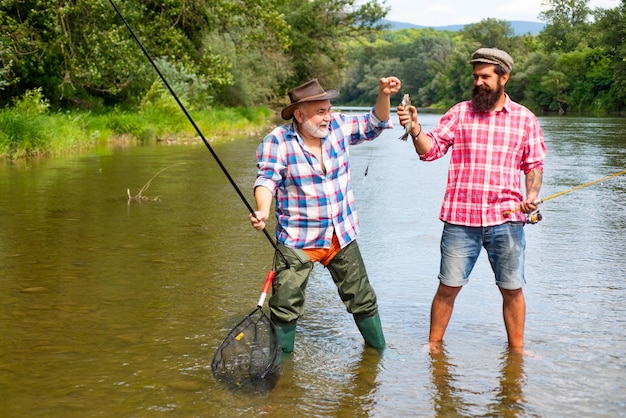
(489, 149)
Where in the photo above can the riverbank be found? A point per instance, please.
(36, 132)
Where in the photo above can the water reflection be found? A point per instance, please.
(360, 392)
(332, 388)
(450, 398)
(510, 400)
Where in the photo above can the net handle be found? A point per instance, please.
(266, 287)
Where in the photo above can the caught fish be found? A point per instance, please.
(406, 101)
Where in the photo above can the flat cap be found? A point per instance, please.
(493, 56)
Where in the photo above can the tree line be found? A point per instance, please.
(79, 54)
(575, 65)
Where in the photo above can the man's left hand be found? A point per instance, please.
(389, 85)
(528, 206)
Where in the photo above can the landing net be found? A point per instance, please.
(250, 351)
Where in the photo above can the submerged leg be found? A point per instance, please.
(441, 311)
(288, 291)
(372, 331)
(286, 337)
(348, 272)
(514, 312)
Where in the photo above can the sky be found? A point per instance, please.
(455, 12)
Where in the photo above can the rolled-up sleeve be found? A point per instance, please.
(442, 137)
(535, 149)
(269, 166)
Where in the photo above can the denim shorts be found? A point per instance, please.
(461, 246)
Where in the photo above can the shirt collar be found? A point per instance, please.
(507, 103)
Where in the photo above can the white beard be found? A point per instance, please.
(314, 130)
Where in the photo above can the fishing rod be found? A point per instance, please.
(215, 156)
(539, 201)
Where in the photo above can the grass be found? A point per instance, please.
(26, 134)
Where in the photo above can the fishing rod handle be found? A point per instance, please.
(506, 213)
(266, 287)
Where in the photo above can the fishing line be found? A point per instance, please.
(539, 201)
(367, 167)
(217, 159)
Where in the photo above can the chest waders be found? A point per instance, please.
(348, 272)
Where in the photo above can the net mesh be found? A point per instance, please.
(250, 351)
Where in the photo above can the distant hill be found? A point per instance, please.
(520, 27)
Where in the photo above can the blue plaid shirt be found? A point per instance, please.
(311, 205)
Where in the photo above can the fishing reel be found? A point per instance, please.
(534, 217)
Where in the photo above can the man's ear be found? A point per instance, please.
(298, 114)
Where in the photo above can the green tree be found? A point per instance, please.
(415, 56)
(567, 24)
(612, 39)
(320, 32)
(13, 37)
(555, 85)
(254, 38)
(524, 86)
(79, 52)
(490, 33)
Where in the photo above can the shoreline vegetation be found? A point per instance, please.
(29, 129)
(32, 131)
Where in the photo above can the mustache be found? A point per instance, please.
(481, 89)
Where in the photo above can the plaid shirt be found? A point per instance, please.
(311, 205)
(489, 149)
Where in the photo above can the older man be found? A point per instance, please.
(304, 165)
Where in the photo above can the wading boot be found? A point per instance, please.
(286, 337)
(372, 331)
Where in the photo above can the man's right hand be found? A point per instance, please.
(258, 219)
(405, 114)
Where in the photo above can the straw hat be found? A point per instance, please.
(307, 92)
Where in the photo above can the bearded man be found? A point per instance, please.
(492, 139)
(304, 167)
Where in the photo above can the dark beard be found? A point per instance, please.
(484, 99)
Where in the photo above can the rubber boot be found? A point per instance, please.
(286, 337)
(372, 331)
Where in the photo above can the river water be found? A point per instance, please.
(113, 307)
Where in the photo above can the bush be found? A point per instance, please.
(22, 128)
(22, 134)
(32, 102)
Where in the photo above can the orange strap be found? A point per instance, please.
(324, 255)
